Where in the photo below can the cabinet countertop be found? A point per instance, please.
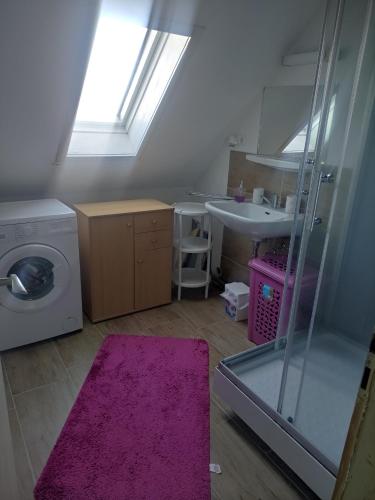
(121, 207)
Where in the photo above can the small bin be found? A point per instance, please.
(267, 278)
(236, 297)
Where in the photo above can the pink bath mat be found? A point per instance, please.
(139, 428)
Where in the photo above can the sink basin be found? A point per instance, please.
(257, 221)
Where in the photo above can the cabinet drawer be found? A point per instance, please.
(153, 240)
(153, 221)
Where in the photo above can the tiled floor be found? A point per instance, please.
(43, 380)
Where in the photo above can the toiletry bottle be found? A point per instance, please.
(240, 193)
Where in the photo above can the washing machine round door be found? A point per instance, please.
(43, 271)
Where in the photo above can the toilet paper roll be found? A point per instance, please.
(290, 205)
(258, 194)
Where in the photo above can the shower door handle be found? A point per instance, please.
(327, 178)
(317, 221)
(323, 179)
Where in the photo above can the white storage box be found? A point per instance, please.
(236, 297)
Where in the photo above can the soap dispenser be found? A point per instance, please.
(240, 193)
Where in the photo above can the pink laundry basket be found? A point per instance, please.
(267, 278)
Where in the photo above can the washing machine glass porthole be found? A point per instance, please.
(36, 275)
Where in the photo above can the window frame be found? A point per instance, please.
(125, 135)
(134, 96)
(142, 81)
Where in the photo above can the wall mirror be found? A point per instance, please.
(284, 117)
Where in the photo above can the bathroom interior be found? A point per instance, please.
(261, 142)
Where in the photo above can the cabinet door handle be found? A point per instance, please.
(323, 179)
(129, 224)
(139, 261)
(154, 221)
(317, 221)
(154, 241)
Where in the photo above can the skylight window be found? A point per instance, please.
(297, 144)
(113, 57)
(129, 70)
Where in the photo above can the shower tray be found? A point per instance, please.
(246, 382)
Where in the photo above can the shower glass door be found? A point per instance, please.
(331, 321)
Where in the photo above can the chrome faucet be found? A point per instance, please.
(272, 199)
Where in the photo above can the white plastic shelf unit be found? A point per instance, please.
(191, 277)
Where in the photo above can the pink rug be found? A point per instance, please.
(139, 428)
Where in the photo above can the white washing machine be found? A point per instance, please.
(39, 244)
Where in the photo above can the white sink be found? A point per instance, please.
(257, 221)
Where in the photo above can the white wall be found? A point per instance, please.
(43, 47)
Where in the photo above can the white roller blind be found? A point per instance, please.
(173, 16)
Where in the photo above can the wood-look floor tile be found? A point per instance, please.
(157, 315)
(240, 326)
(42, 413)
(179, 327)
(227, 337)
(139, 322)
(214, 360)
(124, 325)
(79, 347)
(25, 480)
(33, 366)
(199, 313)
(78, 351)
(78, 373)
(246, 472)
(8, 393)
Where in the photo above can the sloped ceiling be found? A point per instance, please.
(237, 45)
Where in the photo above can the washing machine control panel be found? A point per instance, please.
(25, 231)
(30, 231)
(61, 226)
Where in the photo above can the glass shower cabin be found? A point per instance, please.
(298, 391)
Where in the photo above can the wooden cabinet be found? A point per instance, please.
(126, 256)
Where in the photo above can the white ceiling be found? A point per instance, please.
(237, 47)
